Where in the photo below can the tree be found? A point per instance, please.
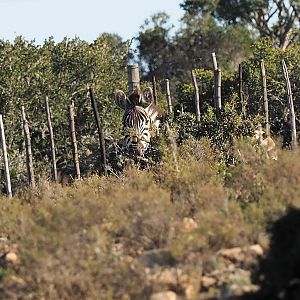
(173, 56)
(155, 46)
(200, 36)
(62, 71)
(278, 19)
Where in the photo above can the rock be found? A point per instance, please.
(190, 283)
(11, 257)
(169, 276)
(257, 249)
(191, 290)
(207, 282)
(169, 295)
(17, 280)
(239, 254)
(234, 254)
(188, 225)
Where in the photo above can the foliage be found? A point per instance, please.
(154, 45)
(173, 56)
(276, 19)
(96, 238)
(276, 86)
(240, 118)
(61, 71)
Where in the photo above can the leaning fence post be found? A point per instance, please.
(168, 93)
(133, 77)
(197, 98)
(5, 160)
(29, 159)
(291, 105)
(265, 95)
(52, 144)
(100, 131)
(218, 83)
(74, 142)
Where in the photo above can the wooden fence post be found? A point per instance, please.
(197, 97)
(154, 89)
(5, 159)
(168, 93)
(218, 83)
(74, 142)
(214, 60)
(241, 91)
(52, 144)
(291, 105)
(29, 159)
(100, 131)
(265, 95)
(133, 77)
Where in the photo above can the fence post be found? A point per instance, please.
(29, 159)
(133, 77)
(5, 159)
(100, 131)
(265, 95)
(218, 83)
(168, 93)
(74, 142)
(154, 89)
(197, 97)
(241, 91)
(214, 60)
(52, 144)
(291, 105)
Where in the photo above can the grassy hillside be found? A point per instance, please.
(123, 237)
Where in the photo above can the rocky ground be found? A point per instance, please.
(222, 275)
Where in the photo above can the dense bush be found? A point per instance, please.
(237, 119)
(61, 71)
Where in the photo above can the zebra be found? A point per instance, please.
(140, 120)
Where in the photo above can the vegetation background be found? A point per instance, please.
(112, 237)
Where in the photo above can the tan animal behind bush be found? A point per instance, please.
(266, 143)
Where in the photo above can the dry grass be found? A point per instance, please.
(87, 241)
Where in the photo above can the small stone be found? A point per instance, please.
(188, 225)
(168, 276)
(235, 254)
(11, 257)
(169, 295)
(207, 281)
(17, 280)
(191, 290)
(257, 249)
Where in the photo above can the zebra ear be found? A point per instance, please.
(148, 97)
(121, 99)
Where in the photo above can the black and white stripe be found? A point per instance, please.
(140, 120)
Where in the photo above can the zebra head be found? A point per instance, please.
(140, 119)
